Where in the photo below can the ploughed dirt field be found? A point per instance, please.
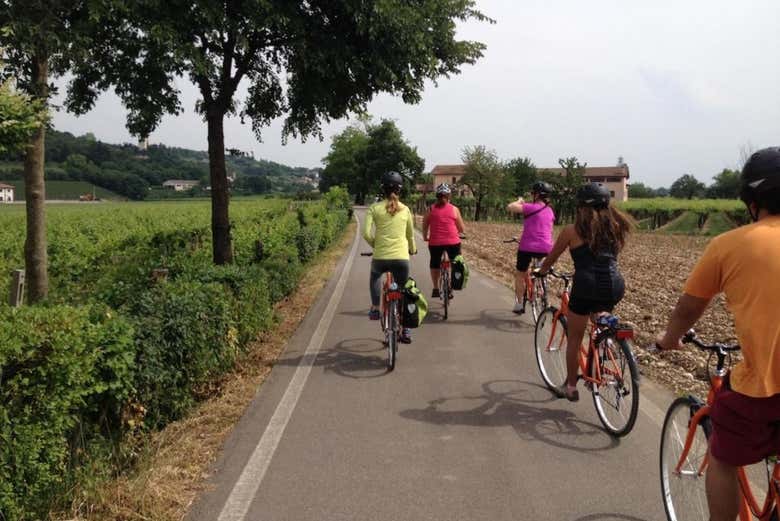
(655, 267)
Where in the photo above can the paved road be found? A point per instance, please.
(461, 430)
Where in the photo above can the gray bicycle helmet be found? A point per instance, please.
(443, 189)
(760, 182)
(593, 195)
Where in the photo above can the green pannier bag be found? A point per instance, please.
(460, 273)
(414, 306)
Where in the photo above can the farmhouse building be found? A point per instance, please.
(6, 193)
(180, 185)
(615, 178)
(450, 174)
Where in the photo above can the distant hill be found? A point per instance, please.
(67, 191)
(130, 172)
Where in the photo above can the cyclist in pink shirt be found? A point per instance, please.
(442, 226)
(536, 241)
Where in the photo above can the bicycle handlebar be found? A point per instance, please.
(691, 338)
(366, 253)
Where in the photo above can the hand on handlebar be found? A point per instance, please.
(662, 343)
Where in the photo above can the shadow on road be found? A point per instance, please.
(497, 319)
(352, 358)
(609, 517)
(517, 404)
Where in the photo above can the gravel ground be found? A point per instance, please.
(655, 267)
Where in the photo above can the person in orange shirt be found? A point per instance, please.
(745, 265)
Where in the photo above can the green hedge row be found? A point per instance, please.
(131, 353)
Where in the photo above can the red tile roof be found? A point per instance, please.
(595, 171)
(449, 170)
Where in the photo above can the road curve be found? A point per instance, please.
(463, 429)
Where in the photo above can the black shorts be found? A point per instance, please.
(586, 299)
(524, 259)
(453, 250)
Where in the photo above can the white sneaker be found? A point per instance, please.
(519, 309)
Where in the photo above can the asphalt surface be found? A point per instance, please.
(463, 429)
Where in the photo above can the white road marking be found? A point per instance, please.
(245, 489)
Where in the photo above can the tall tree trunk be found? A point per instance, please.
(35, 258)
(220, 195)
(478, 208)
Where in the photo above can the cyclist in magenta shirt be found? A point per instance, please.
(536, 241)
(442, 227)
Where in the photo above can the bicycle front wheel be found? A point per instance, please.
(683, 491)
(616, 397)
(550, 346)
(391, 334)
(539, 300)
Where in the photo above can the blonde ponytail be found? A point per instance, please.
(393, 203)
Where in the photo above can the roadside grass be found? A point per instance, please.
(718, 223)
(686, 223)
(174, 464)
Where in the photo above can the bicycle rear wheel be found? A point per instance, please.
(391, 334)
(684, 495)
(539, 300)
(616, 397)
(550, 347)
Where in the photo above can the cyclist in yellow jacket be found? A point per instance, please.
(389, 229)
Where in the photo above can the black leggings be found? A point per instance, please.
(453, 251)
(399, 269)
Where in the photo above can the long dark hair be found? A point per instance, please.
(604, 229)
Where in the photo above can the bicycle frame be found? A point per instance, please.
(529, 282)
(387, 297)
(587, 351)
(749, 506)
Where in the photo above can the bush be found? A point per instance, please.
(185, 335)
(59, 367)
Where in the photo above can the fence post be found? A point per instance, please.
(17, 288)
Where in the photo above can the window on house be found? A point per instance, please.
(614, 179)
(454, 181)
(612, 193)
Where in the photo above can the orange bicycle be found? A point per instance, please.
(607, 364)
(684, 452)
(391, 316)
(535, 287)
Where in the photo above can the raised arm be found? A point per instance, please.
(687, 312)
(564, 239)
(516, 206)
(368, 223)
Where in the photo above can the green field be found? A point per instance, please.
(686, 216)
(65, 190)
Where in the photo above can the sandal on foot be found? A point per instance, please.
(563, 391)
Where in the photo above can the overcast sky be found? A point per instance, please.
(673, 87)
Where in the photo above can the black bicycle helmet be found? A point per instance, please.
(541, 188)
(760, 182)
(392, 181)
(594, 195)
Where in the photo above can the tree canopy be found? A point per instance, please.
(309, 61)
(484, 174)
(687, 187)
(361, 153)
(725, 185)
(20, 117)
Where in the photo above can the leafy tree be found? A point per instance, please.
(520, 175)
(484, 175)
(662, 192)
(387, 150)
(345, 162)
(359, 156)
(640, 191)
(687, 187)
(725, 186)
(20, 117)
(565, 186)
(38, 39)
(313, 61)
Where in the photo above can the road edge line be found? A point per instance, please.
(245, 488)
